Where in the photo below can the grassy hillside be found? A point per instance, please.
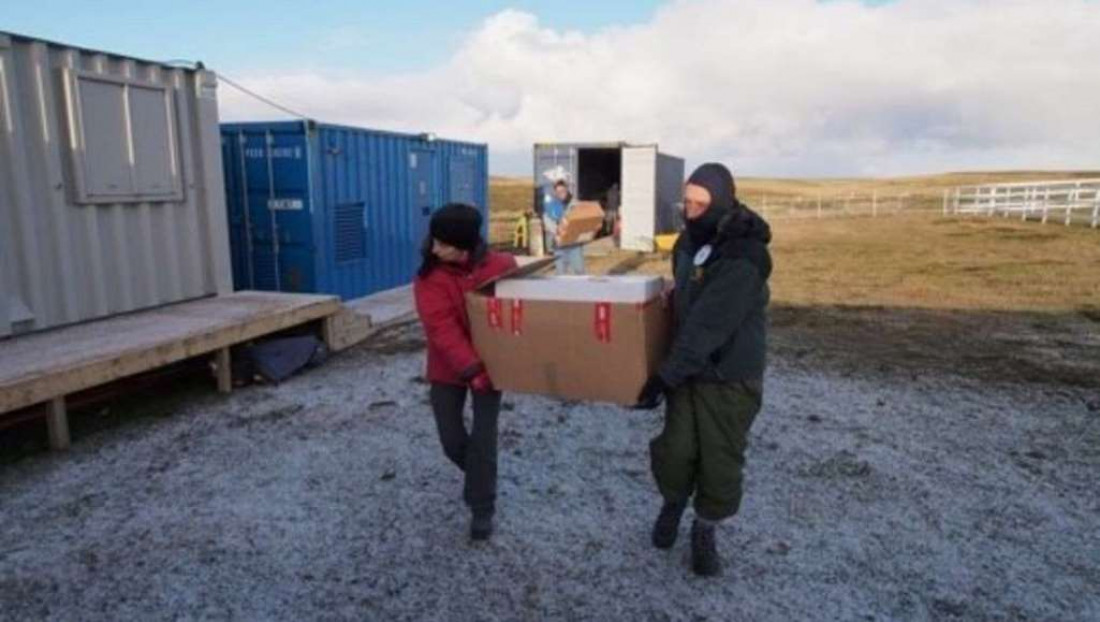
(922, 262)
(511, 194)
(934, 185)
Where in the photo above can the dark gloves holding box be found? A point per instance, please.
(653, 393)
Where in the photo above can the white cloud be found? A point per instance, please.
(778, 87)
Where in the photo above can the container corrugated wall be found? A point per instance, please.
(111, 190)
(339, 210)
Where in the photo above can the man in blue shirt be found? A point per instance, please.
(554, 206)
(557, 208)
(555, 212)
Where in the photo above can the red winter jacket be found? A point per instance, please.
(441, 305)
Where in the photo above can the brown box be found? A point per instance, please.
(582, 223)
(570, 349)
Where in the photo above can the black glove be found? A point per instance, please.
(653, 393)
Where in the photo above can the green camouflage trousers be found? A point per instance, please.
(701, 450)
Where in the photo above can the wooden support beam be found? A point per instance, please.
(57, 423)
(328, 332)
(346, 329)
(224, 364)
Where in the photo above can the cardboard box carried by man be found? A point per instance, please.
(581, 224)
(592, 338)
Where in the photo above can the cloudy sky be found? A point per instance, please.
(772, 87)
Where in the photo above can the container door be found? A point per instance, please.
(670, 193)
(639, 198)
(463, 180)
(276, 178)
(552, 163)
(349, 216)
(424, 195)
(236, 199)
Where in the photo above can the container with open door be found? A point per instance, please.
(640, 187)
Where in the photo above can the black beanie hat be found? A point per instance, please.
(458, 225)
(718, 180)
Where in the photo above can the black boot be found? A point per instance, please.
(481, 526)
(704, 553)
(667, 526)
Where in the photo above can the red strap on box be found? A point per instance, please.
(496, 314)
(603, 322)
(517, 317)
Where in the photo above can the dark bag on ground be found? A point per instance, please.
(275, 360)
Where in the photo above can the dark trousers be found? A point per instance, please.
(701, 450)
(474, 451)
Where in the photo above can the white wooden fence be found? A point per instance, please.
(1070, 201)
(833, 205)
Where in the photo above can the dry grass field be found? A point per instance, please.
(508, 198)
(972, 264)
(929, 187)
(927, 262)
(780, 198)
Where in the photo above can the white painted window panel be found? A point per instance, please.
(106, 150)
(153, 161)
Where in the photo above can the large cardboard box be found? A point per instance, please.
(579, 337)
(582, 223)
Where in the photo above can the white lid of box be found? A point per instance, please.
(612, 289)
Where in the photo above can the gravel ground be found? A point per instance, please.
(868, 498)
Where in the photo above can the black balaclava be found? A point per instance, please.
(457, 225)
(718, 180)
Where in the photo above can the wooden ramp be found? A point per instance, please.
(363, 317)
(43, 368)
(386, 308)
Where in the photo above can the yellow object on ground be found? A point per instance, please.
(666, 242)
(519, 234)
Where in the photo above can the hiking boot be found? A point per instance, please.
(667, 526)
(704, 553)
(481, 526)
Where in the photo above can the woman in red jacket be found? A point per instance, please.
(456, 261)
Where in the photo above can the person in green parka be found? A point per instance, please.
(713, 375)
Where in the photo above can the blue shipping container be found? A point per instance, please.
(329, 209)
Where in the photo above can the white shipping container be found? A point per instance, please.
(111, 191)
(649, 182)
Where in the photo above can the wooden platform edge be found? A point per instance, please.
(347, 328)
(48, 387)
